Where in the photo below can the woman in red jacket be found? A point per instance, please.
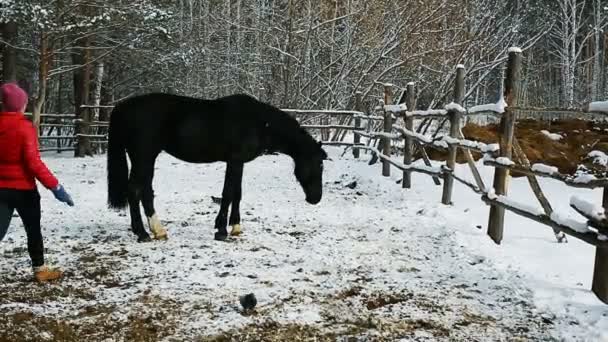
(20, 167)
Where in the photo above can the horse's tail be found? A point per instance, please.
(118, 169)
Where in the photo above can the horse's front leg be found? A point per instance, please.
(221, 221)
(235, 214)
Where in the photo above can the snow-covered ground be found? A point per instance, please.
(371, 259)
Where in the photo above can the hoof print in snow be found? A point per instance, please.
(477, 261)
(352, 185)
(185, 224)
(547, 319)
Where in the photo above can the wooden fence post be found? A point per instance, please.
(454, 116)
(506, 132)
(388, 128)
(600, 270)
(408, 148)
(357, 137)
(82, 131)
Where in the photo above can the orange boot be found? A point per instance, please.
(45, 273)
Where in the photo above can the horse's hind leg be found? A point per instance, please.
(235, 212)
(134, 196)
(156, 227)
(234, 171)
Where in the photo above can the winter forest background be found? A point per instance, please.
(301, 54)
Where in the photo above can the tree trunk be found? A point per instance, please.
(43, 70)
(598, 53)
(82, 78)
(97, 84)
(96, 100)
(9, 53)
(287, 59)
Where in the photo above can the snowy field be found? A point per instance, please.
(372, 262)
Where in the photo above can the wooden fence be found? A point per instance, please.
(384, 136)
(506, 156)
(64, 132)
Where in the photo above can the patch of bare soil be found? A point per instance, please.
(19, 321)
(578, 139)
(94, 323)
(352, 315)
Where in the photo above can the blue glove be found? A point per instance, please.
(63, 196)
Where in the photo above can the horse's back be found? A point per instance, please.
(196, 130)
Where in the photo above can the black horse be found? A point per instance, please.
(234, 129)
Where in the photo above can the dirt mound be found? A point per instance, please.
(563, 144)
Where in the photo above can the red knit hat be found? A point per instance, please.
(14, 99)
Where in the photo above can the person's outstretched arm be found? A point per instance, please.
(38, 168)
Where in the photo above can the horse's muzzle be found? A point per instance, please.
(313, 199)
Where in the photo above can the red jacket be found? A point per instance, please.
(20, 163)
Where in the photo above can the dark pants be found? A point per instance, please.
(27, 204)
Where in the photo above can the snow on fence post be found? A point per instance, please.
(410, 103)
(507, 128)
(600, 270)
(454, 116)
(388, 127)
(357, 137)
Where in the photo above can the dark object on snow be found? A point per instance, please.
(352, 185)
(216, 200)
(248, 302)
(235, 129)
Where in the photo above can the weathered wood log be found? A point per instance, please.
(409, 125)
(388, 127)
(590, 237)
(521, 157)
(471, 162)
(600, 270)
(507, 128)
(357, 138)
(454, 116)
(431, 171)
(567, 179)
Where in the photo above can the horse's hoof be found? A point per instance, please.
(161, 236)
(145, 238)
(221, 236)
(236, 230)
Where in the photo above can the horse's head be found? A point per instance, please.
(309, 172)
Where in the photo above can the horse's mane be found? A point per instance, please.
(289, 129)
